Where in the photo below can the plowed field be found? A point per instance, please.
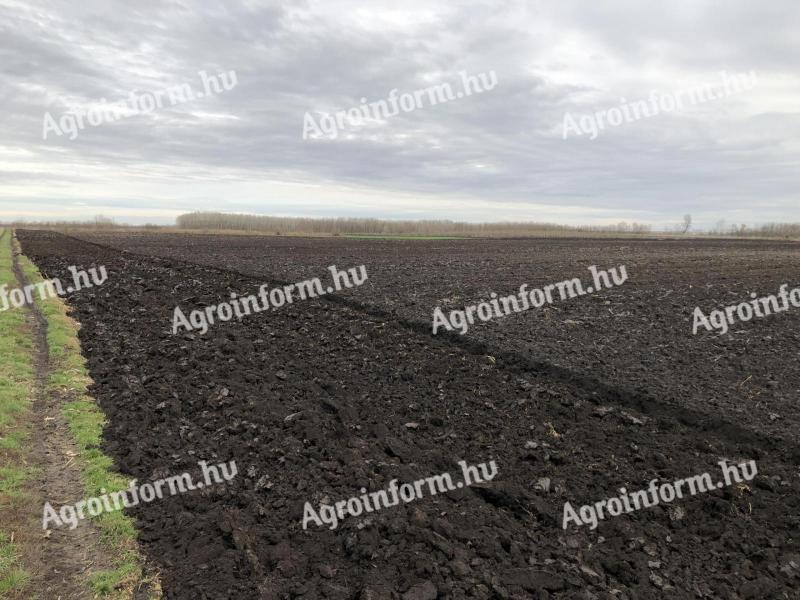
(323, 397)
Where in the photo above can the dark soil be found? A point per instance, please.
(638, 336)
(614, 401)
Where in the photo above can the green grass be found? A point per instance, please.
(17, 379)
(16, 351)
(70, 379)
(11, 479)
(12, 577)
(13, 440)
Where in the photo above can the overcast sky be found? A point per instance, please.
(498, 155)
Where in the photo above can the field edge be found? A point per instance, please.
(17, 377)
(69, 380)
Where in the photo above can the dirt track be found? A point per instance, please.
(621, 398)
(60, 559)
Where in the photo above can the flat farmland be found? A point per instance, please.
(637, 337)
(321, 398)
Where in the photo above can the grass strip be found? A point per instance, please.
(17, 379)
(69, 379)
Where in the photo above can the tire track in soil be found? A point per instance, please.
(61, 561)
(660, 410)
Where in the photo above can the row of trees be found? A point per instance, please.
(770, 230)
(213, 221)
(100, 222)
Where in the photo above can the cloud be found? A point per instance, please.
(500, 153)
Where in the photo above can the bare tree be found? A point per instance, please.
(687, 223)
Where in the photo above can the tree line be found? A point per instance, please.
(216, 221)
(212, 221)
